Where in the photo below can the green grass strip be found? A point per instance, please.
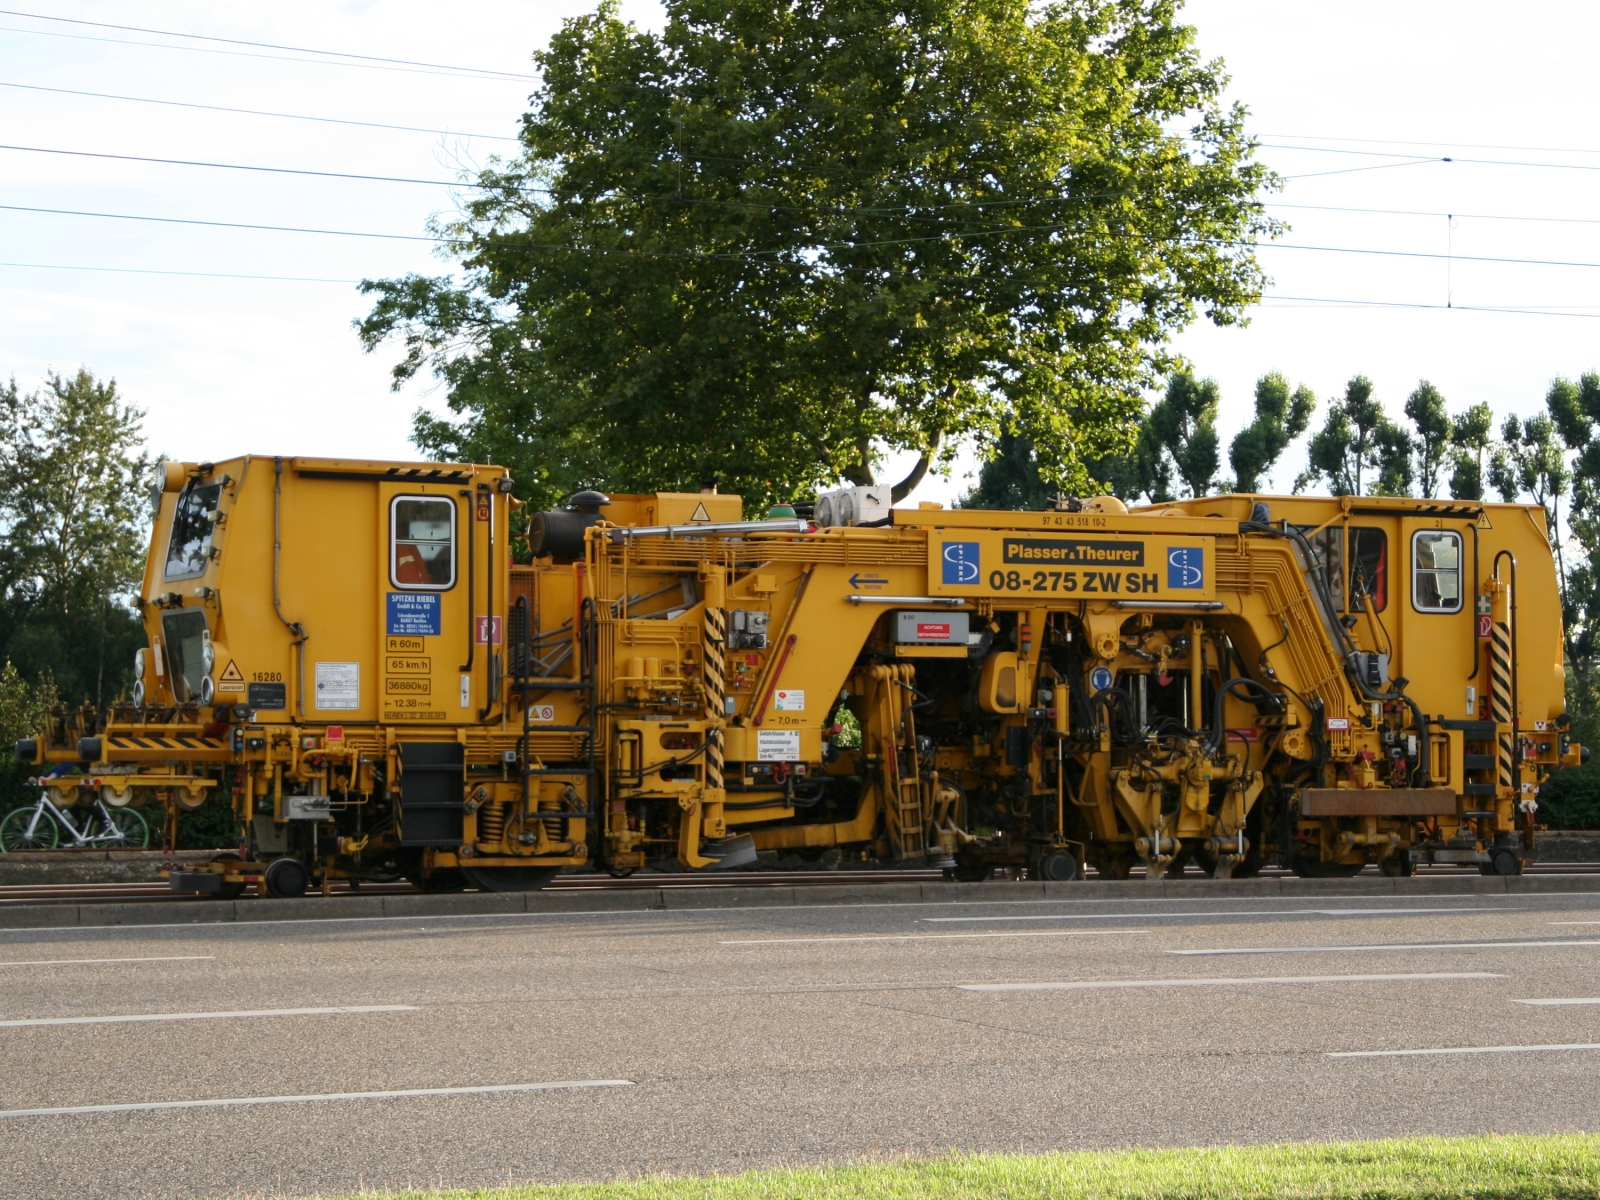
(1527, 1168)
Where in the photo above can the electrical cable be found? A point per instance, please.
(1444, 158)
(1324, 302)
(1411, 212)
(314, 62)
(256, 112)
(1311, 137)
(200, 37)
(75, 212)
(189, 274)
(188, 162)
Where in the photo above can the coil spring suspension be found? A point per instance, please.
(492, 821)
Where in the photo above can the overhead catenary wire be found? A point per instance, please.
(257, 112)
(482, 77)
(200, 37)
(768, 255)
(1420, 158)
(187, 274)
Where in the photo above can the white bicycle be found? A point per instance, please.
(41, 827)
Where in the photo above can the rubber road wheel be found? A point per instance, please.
(287, 877)
(132, 832)
(509, 879)
(14, 833)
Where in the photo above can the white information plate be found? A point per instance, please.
(777, 745)
(338, 685)
(785, 700)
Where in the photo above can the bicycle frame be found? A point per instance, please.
(110, 834)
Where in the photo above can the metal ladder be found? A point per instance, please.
(526, 685)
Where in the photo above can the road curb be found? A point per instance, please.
(57, 915)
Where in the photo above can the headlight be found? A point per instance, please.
(138, 693)
(207, 690)
(208, 655)
(138, 664)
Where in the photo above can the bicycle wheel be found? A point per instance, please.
(15, 835)
(131, 831)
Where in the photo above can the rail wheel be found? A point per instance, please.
(1060, 866)
(287, 877)
(14, 834)
(230, 891)
(1502, 862)
(445, 879)
(970, 868)
(1311, 868)
(508, 879)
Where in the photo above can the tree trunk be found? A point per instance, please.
(918, 473)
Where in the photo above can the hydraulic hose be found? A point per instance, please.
(1262, 696)
(1341, 637)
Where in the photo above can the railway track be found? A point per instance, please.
(158, 892)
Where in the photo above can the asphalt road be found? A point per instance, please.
(731, 1039)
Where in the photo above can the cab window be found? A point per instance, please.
(1359, 555)
(422, 543)
(1436, 571)
(1369, 569)
(194, 520)
(187, 640)
(1327, 549)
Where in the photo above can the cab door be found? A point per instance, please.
(425, 603)
(1434, 592)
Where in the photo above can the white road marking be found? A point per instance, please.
(1460, 1050)
(213, 1016)
(391, 1095)
(1572, 922)
(929, 937)
(1575, 1000)
(1265, 912)
(1384, 946)
(1164, 983)
(74, 962)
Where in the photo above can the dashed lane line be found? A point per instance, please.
(1384, 946)
(340, 1010)
(72, 962)
(1264, 912)
(1463, 1050)
(236, 1101)
(1098, 984)
(933, 937)
(1561, 1001)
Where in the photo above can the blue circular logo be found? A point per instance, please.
(1101, 678)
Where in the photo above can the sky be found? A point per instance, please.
(239, 340)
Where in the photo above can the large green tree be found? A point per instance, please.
(1426, 409)
(773, 242)
(74, 496)
(1179, 437)
(1280, 418)
(1472, 433)
(1358, 445)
